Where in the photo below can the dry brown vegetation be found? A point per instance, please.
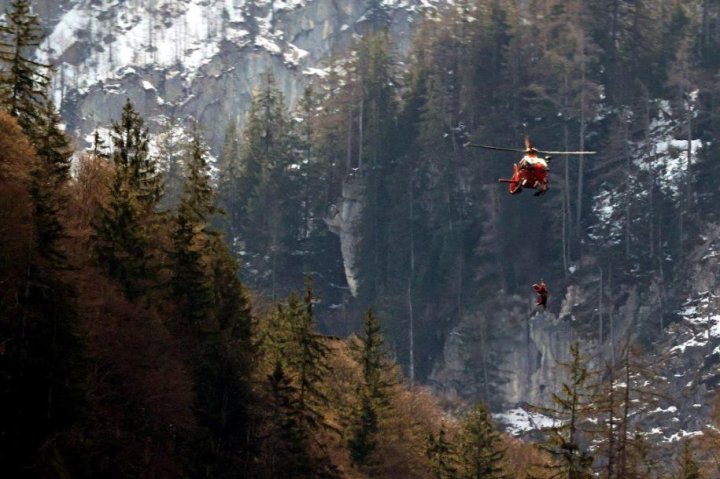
(17, 159)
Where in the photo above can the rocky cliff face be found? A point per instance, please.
(513, 361)
(344, 220)
(197, 58)
(523, 346)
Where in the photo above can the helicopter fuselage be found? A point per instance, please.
(528, 175)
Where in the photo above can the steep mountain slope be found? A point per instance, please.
(199, 59)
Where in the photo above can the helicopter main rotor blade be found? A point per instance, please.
(473, 145)
(567, 152)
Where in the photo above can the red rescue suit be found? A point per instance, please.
(542, 292)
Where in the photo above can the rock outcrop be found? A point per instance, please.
(680, 340)
(197, 59)
(344, 220)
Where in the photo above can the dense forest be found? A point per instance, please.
(437, 240)
(163, 316)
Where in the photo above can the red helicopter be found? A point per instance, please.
(532, 170)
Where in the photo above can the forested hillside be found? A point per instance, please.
(266, 299)
(374, 153)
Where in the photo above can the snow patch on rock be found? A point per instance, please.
(518, 421)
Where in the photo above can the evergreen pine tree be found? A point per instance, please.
(54, 152)
(131, 155)
(311, 361)
(198, 191)
(269, 188)
(214, 303)
(480, 453)
(124, 230)
(373, 395)
(228, 183)
(191, 236)
(291, 343)
(290, 448)
(99, 148)
(310, 174)
(363, 441)
(225, 403)
(52, 144)
(23, 81)
(442, 458)
(171, 143)
(376, 109)
(317, 246)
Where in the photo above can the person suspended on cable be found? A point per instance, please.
(542, 293)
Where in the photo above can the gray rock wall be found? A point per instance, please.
(677, 327)
(344, 220)
(523, 347)
(292, 43)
